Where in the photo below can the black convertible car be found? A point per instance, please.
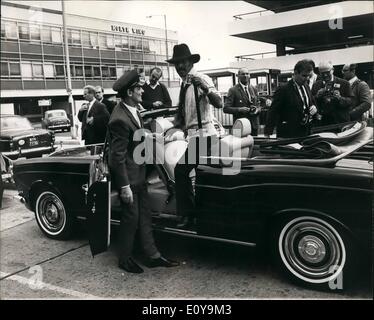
(308, 201)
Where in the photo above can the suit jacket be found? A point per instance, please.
(237, 98)
(109, 105)
(337, 110)
(361, 101)
(287, 112)
(94, 133)
(121, 128)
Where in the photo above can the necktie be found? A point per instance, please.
(306, 105)
(248, 94)
(182, 98)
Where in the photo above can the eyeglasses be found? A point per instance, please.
(97, 92)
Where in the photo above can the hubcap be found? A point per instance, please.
(50, 213)
(312, 249)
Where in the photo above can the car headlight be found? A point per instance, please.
(21, 142)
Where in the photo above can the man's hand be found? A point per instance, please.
(336, 94)
(321, 92)
(313, 110)
(244, 110)
(126, 195)
(84, 107)
(255, 110)
(197, 81)
(157, 104)
(90, 120)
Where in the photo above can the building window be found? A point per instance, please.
(37, 70)
(74, 37)
(112, 73)
(93, 39)
(86, 39)
(146, 45)
(79, 71)
(49, 71)
(120, 71)
(96, 71)
(135, 44)
(34, 33)
(26, 70)
(110, 41)
(88, 71)
(14, 69)
(118, 42)
(4, 69)
(23, 32)
(102, 41)
(60, 70)
(11, 30)
(56, 35)
(2, 29)
(46, 34)
(105, 72)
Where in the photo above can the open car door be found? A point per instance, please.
(99, 207)
(98, 218)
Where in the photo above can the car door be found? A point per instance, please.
(99, 209)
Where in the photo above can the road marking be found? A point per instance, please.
(47, 286)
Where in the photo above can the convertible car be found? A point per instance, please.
(308, 200)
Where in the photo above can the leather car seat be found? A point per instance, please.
(240, 143)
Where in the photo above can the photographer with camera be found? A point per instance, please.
(293, 111)
(333, 95)
(243, 102)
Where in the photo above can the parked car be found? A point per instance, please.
(56, 120)
(314, 214)
(19, 138)
(6, 174)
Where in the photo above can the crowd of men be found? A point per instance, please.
(305, 101)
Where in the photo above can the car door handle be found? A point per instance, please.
(85, 189)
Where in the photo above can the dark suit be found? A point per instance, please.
(95, 132)
(109, 105)
(334, 110)
(287, 112)
(361, 100)
(125, 171)
(237, 98)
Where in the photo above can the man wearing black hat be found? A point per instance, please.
(197, 90)
(128, 176)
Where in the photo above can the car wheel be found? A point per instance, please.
(313, 252)
(52, 217)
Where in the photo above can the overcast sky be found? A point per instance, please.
(203, 25)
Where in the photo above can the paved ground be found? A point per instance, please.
(33, 266)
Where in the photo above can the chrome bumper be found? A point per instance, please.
(28, 151)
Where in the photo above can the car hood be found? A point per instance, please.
(18, 134)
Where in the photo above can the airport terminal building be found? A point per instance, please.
(33, 66)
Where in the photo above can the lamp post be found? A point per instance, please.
(166, 41)
(69, 88)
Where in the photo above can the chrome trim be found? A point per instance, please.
(192, 234)
(27, 151)
(60, 126)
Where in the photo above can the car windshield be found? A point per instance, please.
(15, 123)
(56, 114)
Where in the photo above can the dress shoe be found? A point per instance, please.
(130, 266)
(185, 223)
(161, 262)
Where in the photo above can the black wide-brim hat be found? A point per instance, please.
(182, 52)
(127, 80)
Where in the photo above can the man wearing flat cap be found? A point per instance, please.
(128, 176)
(197, 98)
(333, 96)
